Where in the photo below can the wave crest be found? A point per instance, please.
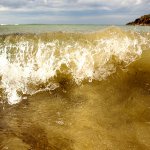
(29, 61)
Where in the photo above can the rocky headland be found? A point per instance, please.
(143, 21)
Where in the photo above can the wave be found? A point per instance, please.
(30, 63)
(3, 24)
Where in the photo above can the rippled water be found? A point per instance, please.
(75, 91)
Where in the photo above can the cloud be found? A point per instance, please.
(74, 4)
(20, 9)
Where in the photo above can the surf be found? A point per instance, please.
(30, 63)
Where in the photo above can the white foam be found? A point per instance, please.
(26, 68)
(3, 24)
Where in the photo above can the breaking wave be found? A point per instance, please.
(30, 63)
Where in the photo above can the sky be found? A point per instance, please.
(72, 11)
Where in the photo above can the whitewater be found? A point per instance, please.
(74, 87)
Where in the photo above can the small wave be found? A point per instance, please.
(3, 24)
(30, 63)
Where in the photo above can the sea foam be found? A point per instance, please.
(31, 63)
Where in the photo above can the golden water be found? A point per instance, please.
(105, 110)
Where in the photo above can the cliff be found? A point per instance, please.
(144, 20)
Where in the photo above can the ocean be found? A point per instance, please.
(74, 87)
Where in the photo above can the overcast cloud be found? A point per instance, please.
(72, 11)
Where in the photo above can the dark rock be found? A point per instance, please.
(144, 21)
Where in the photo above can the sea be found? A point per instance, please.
(74, 87)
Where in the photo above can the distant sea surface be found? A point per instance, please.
(74, 87)
(8, 29)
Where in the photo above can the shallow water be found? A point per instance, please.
(108, 109)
